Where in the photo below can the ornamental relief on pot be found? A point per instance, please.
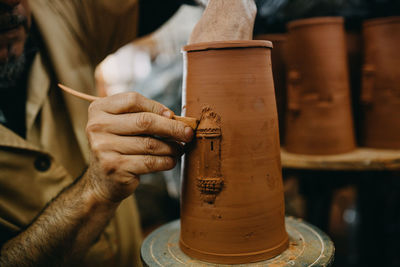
(298, 95)
(208, 137)
(371, 90)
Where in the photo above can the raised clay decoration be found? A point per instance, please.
(208, 135)
(319, 118)
(232, 206)
(381, 83)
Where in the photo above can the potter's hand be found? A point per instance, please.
(225, 20)
(122, 132)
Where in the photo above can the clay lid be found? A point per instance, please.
(378, 21)
(226, 45)
(314, 21)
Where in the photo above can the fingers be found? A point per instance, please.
(143, 123)
(130, 103)
(120, 152)
(134, 114)
(148, 163)
(136, 145)
(133, 165)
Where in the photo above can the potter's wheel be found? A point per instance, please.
(308, 246)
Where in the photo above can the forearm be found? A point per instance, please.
(124, 133)
(63, 232)
(225, 20)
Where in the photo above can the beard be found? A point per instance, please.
(11, 71)
(13, 62)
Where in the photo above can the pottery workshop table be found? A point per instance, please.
(375, 175)
(320, 175)
(308, 246)
(361, 159)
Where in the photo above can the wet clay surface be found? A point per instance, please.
(381, 83)
(232, 208)
(319, 118)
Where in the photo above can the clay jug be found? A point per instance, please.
(232, 206)
(279, 72)
(319, 118)
(381, 82)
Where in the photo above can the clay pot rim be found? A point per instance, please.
(227, 45)
(382, 20)
(314, 21)
(273, 37)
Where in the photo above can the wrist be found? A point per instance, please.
(93, 196)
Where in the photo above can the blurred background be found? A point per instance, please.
(359, 208)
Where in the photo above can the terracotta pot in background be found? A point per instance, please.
(279, 72)
(232, 206)
(381, 82)
(319, 118)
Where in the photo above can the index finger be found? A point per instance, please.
(132, 102)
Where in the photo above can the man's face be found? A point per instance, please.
(15, 21)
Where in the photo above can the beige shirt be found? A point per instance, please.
(77, 35)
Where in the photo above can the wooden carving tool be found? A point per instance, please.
(191, 122)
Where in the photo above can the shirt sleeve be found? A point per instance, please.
(106, 25)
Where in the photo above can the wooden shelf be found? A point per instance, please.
(361, 159)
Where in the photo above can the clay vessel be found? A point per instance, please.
(381, 82)
(279, 72)
(232, 206)
(319, 117)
